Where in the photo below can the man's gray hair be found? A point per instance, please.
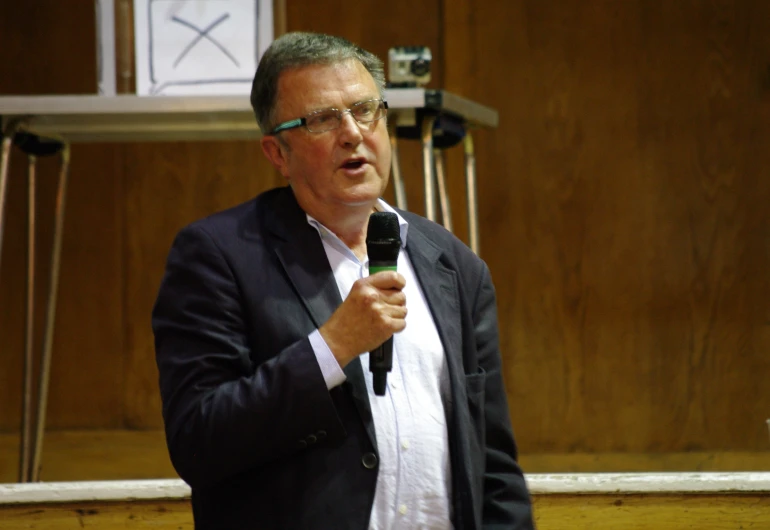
(297, 49)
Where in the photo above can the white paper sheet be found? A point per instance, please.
(196, 47)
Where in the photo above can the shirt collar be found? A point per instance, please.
(380, 206)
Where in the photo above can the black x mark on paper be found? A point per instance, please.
(201, 34)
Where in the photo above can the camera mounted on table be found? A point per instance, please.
(408, 66)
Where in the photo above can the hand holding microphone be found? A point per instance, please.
(383, 242)
(375, 308)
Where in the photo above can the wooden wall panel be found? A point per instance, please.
(88, 352)
(104, 371)
(625, 221)
(42, 55)
(710, 201)
(623, 213)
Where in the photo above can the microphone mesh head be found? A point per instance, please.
(383, 237)
(383, 225)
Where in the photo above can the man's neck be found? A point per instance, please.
(350, 225)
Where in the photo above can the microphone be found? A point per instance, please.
(383, 243)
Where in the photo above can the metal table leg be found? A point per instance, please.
(31, 444)
(427, 160)
(8, 134)
(470, 190)
(50, 318)
(443, 193)
(434, 173)
(395, 166)
(29, 327)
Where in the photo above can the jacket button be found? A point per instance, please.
(369, 460)
(302, 444)
(312, 439)
(321, 435)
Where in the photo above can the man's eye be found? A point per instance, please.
(323, 118)
(364, 110)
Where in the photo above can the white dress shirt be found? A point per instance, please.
(414, 476)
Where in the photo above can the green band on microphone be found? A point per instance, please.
(374, 269)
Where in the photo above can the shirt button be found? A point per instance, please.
(405, 444)
(402, 509)
(369, 460)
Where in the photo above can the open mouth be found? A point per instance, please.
(353, 164)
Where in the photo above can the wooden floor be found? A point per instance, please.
(158, 515)
(652, 512)
(572, 512)
(126, 455)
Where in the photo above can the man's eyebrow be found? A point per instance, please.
(321, 109)
(356, 102)
(368, 98)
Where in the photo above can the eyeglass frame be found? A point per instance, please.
(300, 122)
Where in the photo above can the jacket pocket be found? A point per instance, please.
(474, 387)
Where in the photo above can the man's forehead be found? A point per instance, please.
(311, 85)
(312, 68)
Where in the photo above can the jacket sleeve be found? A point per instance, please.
(224, 414)
(507, 502)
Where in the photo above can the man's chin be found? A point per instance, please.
(363, 194)
(360, 202)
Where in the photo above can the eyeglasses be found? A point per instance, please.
(330, 119)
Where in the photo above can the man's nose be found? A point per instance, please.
(350, 130)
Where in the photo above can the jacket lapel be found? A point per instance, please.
(304, 260)
(439, 284)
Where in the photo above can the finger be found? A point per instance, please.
(383, 311)
(392, 297)
(387, 280)
(398, 312)
(397, 324)
(364, 293)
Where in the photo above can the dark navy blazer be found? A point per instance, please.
(250, 424)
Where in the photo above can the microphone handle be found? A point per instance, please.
(381, 358)
(380, 363)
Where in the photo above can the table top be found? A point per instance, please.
(94, 118)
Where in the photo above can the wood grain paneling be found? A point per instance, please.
(87, 349)
(86, 455)
(160, 515)
(724, 511)
(86, 374)
(622, 209)
(625, 220)
(647, 512)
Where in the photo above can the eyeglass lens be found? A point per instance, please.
(364, 112)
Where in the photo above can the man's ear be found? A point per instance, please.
(276, 153)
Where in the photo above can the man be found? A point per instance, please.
(266, 315)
